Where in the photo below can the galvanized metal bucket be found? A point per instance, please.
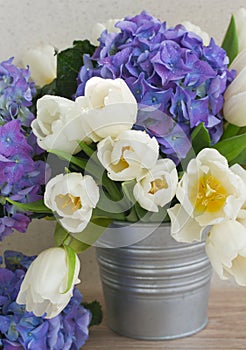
(155, 288)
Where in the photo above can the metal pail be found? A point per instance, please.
(155, 288)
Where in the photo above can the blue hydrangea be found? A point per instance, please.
(22, 330)
(172, 75)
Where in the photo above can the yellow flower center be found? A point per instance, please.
(70, 202)
(122, 163)
(208, 194)
(157, 185)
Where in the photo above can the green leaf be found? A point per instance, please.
(234, 149)
(81, 163)
(230, 42)
(96, 311)
(60, 235)
(35, 207)
(77, 245)
(69, 63)
(127, 188)
(93, 230)
(100, 213)
(71, 262)
(149, 216)
(200, 139)
(132, 216)
(230, 131)
(86, 148)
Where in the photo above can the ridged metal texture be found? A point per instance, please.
(157, 288)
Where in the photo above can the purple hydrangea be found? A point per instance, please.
(21, 178)
(21, 330)
(172, 75)
(16, 93)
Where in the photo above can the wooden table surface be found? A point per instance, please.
(226, 328)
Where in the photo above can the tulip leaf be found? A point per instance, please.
(150, 216)
(230, 41)
(60, 235)
(100, 213)
(35, 207)
(93, 230)
(81, 163)
(233, 148)
(127, 188)
(86, 148)
(77, 245)
(69, 62)
(71, 262)
(200, 139)
(230, 130)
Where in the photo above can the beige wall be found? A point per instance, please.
(28, 23)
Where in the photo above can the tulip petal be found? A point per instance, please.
(226, 248)
(234, 109)
(183, 227)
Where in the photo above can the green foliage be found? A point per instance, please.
(233, 148)
(80, 162)
(96, 311)
(71, 262)
(60, 235)
(34, 207)
(92, 231)
(69, 63)
(200, 139)
(230, 130)
(230, 42)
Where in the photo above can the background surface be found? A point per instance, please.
(26, 24)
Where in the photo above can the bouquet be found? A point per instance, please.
(144, 123)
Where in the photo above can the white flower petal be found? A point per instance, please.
(158, 186)
(234, 109)
(123, 156)
(226, 249)
(72, 197)
(42, 62)
(43, 287)
(239, 63)
(110, 107)
(183, 227)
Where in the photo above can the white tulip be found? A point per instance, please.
(234, 108)
(100, 27)
(197, 30)
(45, 282)
(72, 197)
(184, 228)
(240, 20)
(111, 107)
(226, 249)
(209, 191)
(158, 186)
(58, 124)
(239, 62)
(129, 155)
(42, 62)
